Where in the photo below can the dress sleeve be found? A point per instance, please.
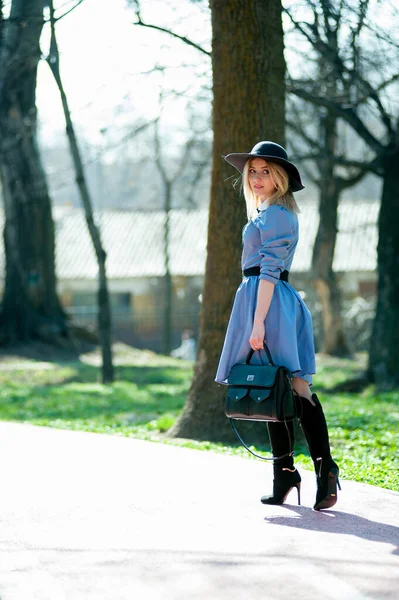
(276, 236)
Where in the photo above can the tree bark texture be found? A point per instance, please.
(384, 346)
(324, 278)
(248, 106)
(30, 306)
(104, 308)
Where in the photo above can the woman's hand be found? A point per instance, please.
(258, 335)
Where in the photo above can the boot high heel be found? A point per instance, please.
(285, 480)
(327, 483)
(314, 425)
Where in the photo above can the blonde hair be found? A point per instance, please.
(282, 196)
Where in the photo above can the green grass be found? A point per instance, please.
(151, 390)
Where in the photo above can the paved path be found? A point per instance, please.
(87, 516)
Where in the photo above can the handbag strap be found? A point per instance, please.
(291, 442)
(266, 349)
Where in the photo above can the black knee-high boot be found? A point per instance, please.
(314, 425)
(285, 475)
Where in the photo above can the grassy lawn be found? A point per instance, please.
(150, 391)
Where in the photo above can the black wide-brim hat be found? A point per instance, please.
(273, 152)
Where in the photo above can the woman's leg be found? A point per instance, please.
(282, 438)
(314, 425)
(285, 475)
(303, 388)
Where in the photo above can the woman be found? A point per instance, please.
(267, 307)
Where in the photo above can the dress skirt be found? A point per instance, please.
(288, 331)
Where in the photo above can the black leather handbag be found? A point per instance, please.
(259, 393)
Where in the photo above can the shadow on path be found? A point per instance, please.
(339, 522)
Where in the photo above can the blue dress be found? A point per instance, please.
(269, 241)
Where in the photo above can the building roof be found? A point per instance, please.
(357, 237)
(134, 241)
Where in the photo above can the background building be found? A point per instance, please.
(134, 241)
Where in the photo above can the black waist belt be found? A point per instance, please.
(256, 271)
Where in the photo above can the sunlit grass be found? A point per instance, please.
(149, 393)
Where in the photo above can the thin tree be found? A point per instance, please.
(104, 309)
(330, 188)
(169, 179)
(167, 184)
(30, 307)
(324, 156)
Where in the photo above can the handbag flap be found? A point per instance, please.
(236, 393)
(253, 375)
(260, 394)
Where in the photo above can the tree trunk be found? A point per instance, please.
(325, 280)
(104, 309)
(30, 305)
(168, 285)
(324, 277)
(384, 346)
(248, 106)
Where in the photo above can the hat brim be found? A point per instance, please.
(239, 159)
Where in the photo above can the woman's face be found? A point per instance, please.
(259, 178)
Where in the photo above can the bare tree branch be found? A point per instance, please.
(297, 126)
(380, 88)
(362, 12)
(40, 19)
(336, 62)
(347, 182)
(158, 156)
(183, 163)
(372, 166)
(347, 114)
(297, 156)
(172, 33)
(68, 11)
(198, 174)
